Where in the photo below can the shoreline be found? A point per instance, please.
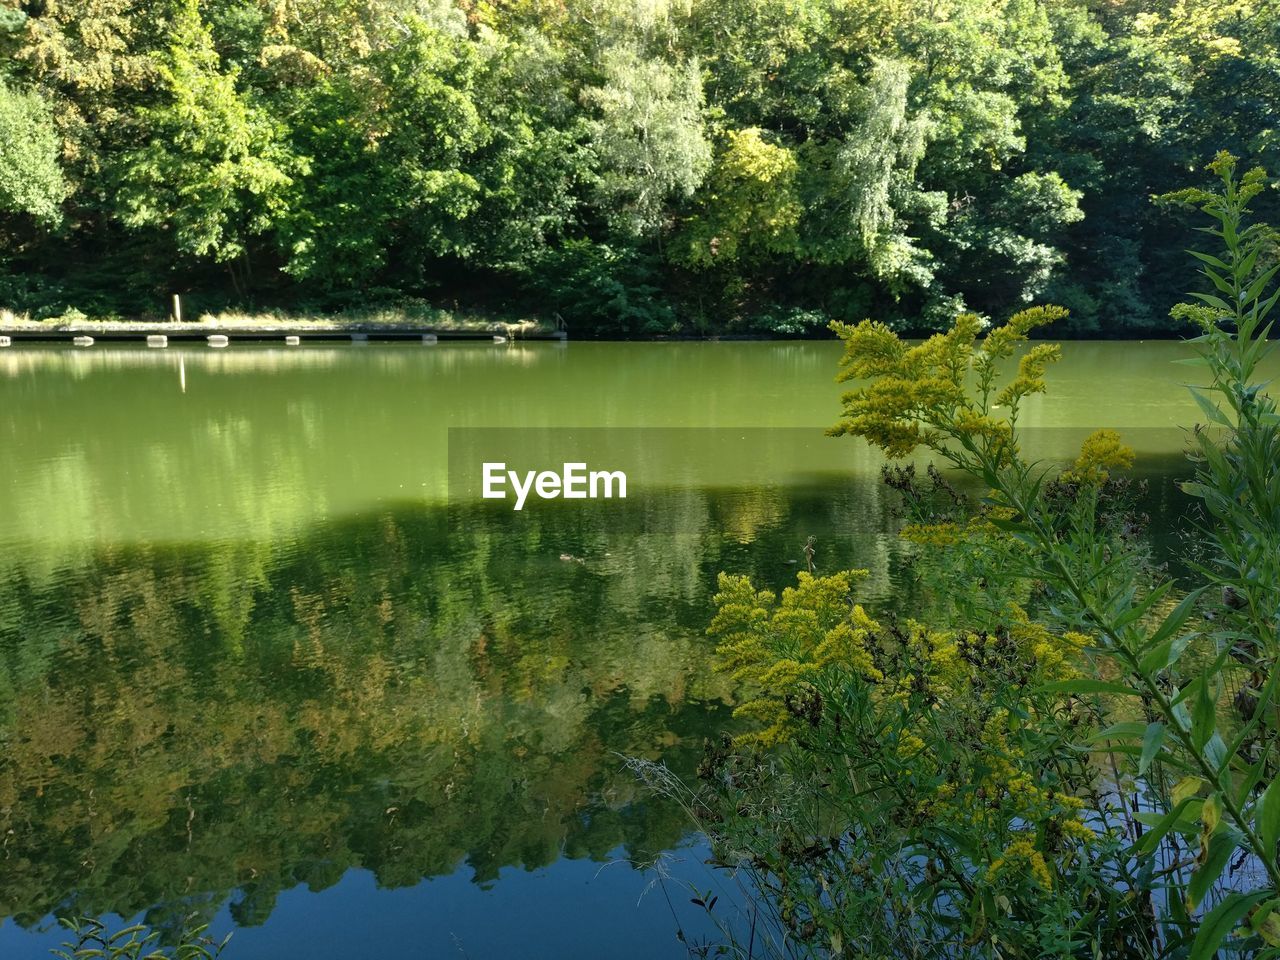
(161, 335)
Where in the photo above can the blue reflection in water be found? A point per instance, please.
(572, 909)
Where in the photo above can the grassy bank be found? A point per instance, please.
(425, 319)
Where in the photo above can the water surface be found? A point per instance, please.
(256, 665)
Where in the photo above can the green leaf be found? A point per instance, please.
(1251, 773)
(1128, 729)
(1010, 526)
(1204, 715)
(1166, 654)
(1266, 305)
(1222, 844)
(1151, 742)
(1221, 920)
(1210, 409)
(1259, 284)
(1130, 612)
(1220, 282)
(136, 928)
(1216, 302)
(1209, 259)
(1267, 816)
(1161, 825)
(1178, 616)
(1087, 685)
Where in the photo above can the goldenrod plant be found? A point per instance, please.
(1066, 752)
(926, 779)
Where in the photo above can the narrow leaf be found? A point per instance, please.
(1151, 742)
(1222, 845)
(1220, 921)
(1087, 685)
(1267, 817)
(1210, 408)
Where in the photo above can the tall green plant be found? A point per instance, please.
(1079, 651)
(1224, 803)
(1236, 457)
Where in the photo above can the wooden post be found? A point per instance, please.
(177, 308)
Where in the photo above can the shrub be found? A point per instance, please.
(1051, 764)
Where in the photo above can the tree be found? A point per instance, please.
(388, 146)
(97, 58)
(213, 172)
(649, 137)
(747, 208)
(31, 180)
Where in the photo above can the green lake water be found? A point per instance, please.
(264, 657)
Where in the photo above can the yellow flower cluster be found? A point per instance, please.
(909, 745)
(950, 534)
(1030, 378)
(1006, 778)
(959, 762)
(1001, 786)
(933, 534)
(775, 647)
(1056, 654)
(1101, 452)
(1000, 343)
(1021, 856)
(943, 389)
(983, 429)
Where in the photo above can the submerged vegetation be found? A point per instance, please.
(92, 940)
(1063, 751)
(628, 169)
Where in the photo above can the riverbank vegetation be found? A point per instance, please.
(1067, 752)
(402, 317)
(629, 170)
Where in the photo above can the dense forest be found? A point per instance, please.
(629, 169)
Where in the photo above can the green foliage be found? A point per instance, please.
(648, 136)
(1076, 757)
(388, 156)
(136, 942)
(31, 180)
(212, 174)
(748, 208)
(600, 288)
(789, 321)
(879, 154)
(905, 160)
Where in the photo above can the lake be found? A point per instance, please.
(267, 659)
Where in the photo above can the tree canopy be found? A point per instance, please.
(635, 169)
